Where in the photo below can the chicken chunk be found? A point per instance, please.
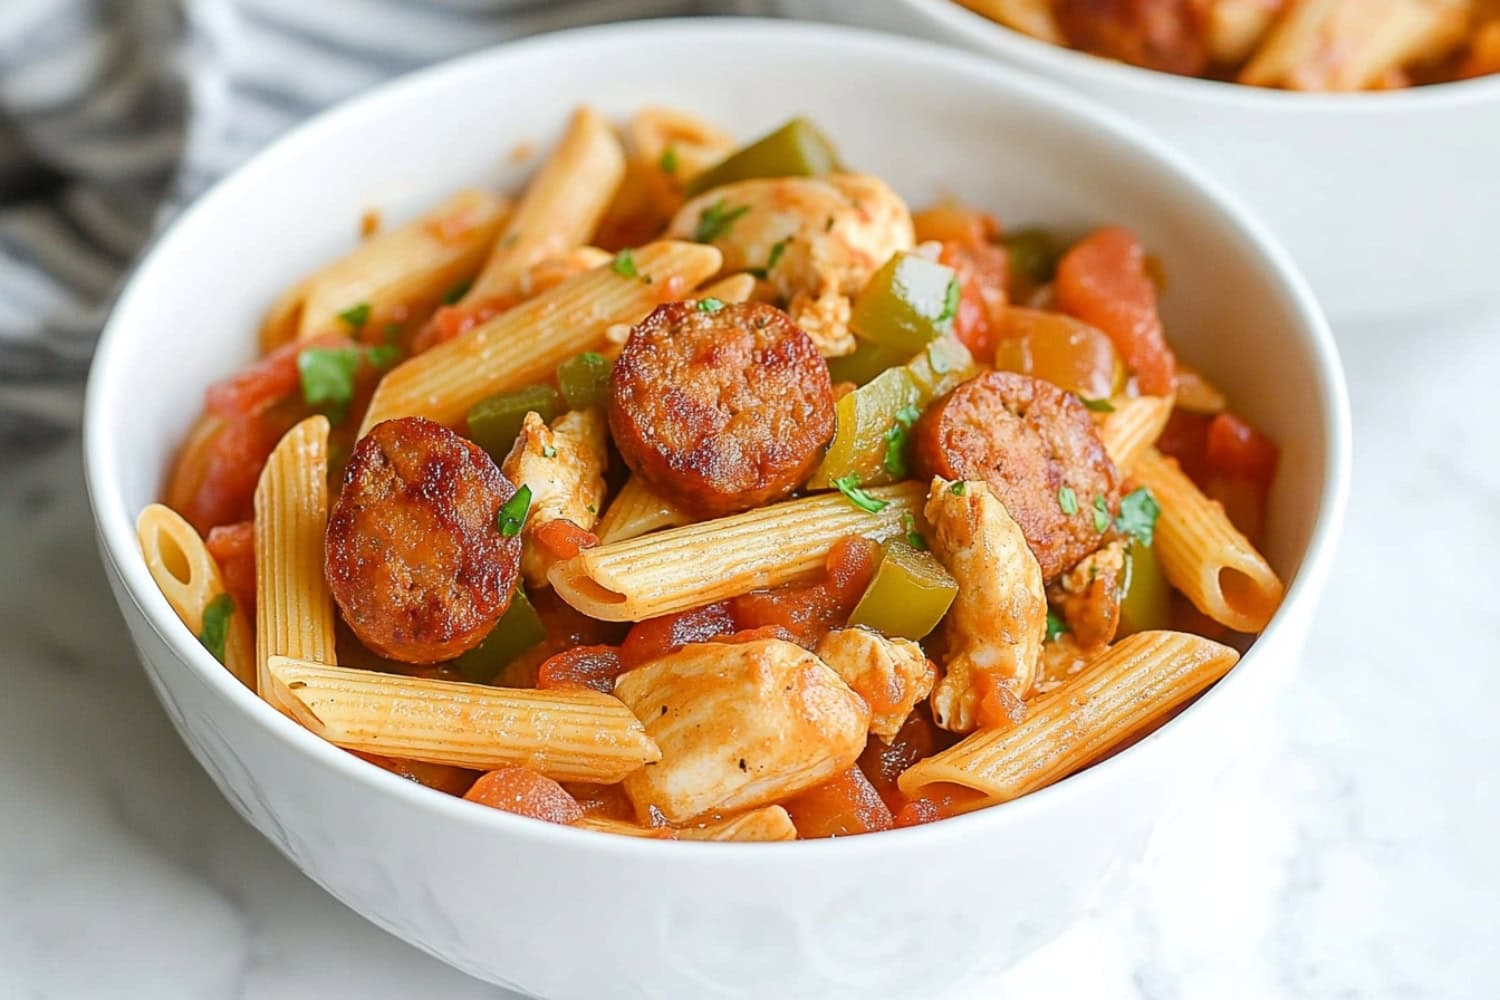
(891, 675)
(815, 240)
(564, 467)
(1089, 594)
(994, 631)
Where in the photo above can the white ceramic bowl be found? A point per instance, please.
(570, 914)
(1387, 201)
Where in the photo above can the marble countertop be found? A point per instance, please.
(1352, 856)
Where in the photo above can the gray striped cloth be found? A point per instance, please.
(115, 113)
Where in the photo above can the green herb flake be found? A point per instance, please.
(1101, 515)
(1138, 513)
(1055, 626)
(392, 332)
(896, 441)
(950, 303)
(356, 315)
(913, 536)
(668, 162)
(457, 292)
(327, 378)
(624, 265)
(715, 221)
(382, 355)
(548, 451)
(710, 305)
(216, 625)
(777, 249)
(513, 512)
(1098, 405)
(958, 487)
(849, 486)
(1067, 500)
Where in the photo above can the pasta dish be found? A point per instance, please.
(1328, 45)
(706, 491)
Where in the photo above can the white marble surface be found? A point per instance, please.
(1354, 856)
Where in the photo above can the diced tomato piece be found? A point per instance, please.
(938, 802)
(1185, 438)
(269, 380)
(233, 548)
(883, 762)
(807, 611)
(225, 491)
(916, 812)
(1103, 281)
(844, 806)
(1235, 448)
(451, 321)
(524, 792)
(563, 539)
(581, 667)
(656, 637)
(983, 275)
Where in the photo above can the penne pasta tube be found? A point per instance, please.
(526, 343)
(1203, 554)
(1126, 691)
(561, 207)
(293, 606)
(1032, 17)
(768, 823)
(406, 271)
(697, 564)
(624, 828)
(735, 288)
(1133, 427)
(567, 735)
(190, 580)
(636, 511)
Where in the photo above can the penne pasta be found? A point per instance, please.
(735, 288)
(525, 344)
(1203, 554)
(1033, 17)
(1126, 691)
(293, 606)
(636, 511)
(700, 563)
(190, 580)
(769, 823)
(561, 207)
(567, 735)
(397, 274)
(624, 828)
(1133, 427)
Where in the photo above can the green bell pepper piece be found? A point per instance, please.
(1032, 259)
(796, 149)
(518, 630)
(909, 302)
(1147, 603)
(908, 595)
(495, 422)
(584, 380)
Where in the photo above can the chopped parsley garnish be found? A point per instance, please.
(1067, 500)
(216, 625)
(716, 220)
(950, 303)
(828, 224)
(1055, 625)
(913, 536)
(1098, 405)
(327, 378)
(392, 331)
(1138, 513)
(777, 249)
(356, 315)
(457, 292)
(896, 440)
(548, 451)
(1101, 515)
(624, 265)
(958, 487)
(709, 305)
(382, 355)
(849, 486)
(513, 512)
(668, 162)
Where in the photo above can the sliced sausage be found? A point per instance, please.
(413, 553)
(720, 411)
(1028, 440)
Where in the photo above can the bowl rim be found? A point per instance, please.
(115, 525)
(1103, 72)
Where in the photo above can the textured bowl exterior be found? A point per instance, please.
(562, 913)
(1387, 201)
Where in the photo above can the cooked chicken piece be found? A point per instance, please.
(1089, 595)
(1235, 27)
(999, 618)
(1060, 662)
(1354, 44)
(892, 675)
(553, 271)
(816, 240)
(564, 467)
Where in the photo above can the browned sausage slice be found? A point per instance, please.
(1028, 440)
(413, 554)
(721, 411)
